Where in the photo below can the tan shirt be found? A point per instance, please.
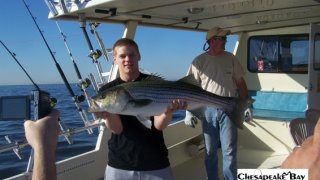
(217, 74)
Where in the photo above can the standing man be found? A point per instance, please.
(135, 151)
(219, 72)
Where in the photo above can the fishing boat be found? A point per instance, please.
(278, 45)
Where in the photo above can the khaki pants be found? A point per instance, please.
(119, 174)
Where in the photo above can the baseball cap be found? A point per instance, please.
(217, 31)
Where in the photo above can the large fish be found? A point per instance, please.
(153, 95)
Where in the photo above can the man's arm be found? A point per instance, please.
(42, 135)
(307, 156)
(163, 120)
(243, 89)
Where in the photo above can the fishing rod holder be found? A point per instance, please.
(16, 150)
(63, 128)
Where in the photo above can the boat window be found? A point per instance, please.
(316, 59)
(278, 54)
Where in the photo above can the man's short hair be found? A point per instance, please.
(125, 42)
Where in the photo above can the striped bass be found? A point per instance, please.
(153, 95)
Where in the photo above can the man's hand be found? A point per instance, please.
(190, 120)
(42, 135)
(248, 115)
(44, 132)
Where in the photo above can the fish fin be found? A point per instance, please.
(145, 121)
(154, 77)
(139, 102)
(189, 79)
(94, 107)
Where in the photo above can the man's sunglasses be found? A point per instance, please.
(221, 38)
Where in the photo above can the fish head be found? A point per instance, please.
(112, 101)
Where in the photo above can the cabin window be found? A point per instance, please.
(278, 54)
(316, 59)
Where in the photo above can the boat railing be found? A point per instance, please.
(18, 145)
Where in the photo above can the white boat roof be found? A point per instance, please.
(199, 15)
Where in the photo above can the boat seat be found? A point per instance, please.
(278, 105)
(302, 128)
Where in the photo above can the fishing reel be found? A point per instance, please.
(94, 55)
(79, 99)
(85, 83)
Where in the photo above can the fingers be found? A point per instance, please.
(100, 115)
(178, 104)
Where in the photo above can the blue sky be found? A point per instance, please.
(165, 52)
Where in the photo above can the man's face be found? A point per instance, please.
(218, 42)
(127, 57)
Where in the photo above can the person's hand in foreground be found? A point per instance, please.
(42, 135)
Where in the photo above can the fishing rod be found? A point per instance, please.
(94, 55)
(94, 31)
(41, 108)
(75, 98)
(105, 51)
(84, 83)
(13, 55)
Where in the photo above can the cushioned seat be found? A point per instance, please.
(278, 105)
(276, 115)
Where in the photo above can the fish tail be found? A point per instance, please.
(238, 116)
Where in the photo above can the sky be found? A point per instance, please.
(165, 52)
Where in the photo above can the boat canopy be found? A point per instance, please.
(199, 15)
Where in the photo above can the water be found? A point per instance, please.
(82, 142)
